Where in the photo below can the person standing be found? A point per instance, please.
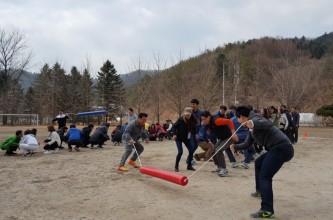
(279, 150)
(183, 129)
(223, 129)
(11, 143)
(196, 112)
(61, 119)
(295, 117)
(131, 115)
(131, 138)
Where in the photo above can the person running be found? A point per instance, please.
(11, 143)
(223, 129)
(182, 131)
(131, 138)
(279, 150)
(28, 143)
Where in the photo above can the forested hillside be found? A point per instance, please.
(260, 72)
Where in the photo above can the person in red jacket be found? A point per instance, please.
(223, 129)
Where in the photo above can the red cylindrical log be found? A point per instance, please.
(169, 176)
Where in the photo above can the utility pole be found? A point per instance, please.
(223, 85)
(236, 79)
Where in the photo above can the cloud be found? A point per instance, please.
(122, 30)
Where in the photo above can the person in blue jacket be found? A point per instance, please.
(74, 138)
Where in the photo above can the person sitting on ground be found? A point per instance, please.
(53, 141)
(74, 138)
(62, 134)
(160, 132)
(207, 141)
(11, 143)
(28, 143)
(152, 133)
(100, 136)
(116, 135)
(86, 131)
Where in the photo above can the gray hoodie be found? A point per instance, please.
(264, 133)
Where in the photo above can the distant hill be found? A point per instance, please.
(134, 77)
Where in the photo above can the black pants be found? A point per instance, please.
(52, 146)
(76, 142)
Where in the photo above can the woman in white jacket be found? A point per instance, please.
(28, 143)
(53, 141)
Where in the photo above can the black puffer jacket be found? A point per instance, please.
(182, 127)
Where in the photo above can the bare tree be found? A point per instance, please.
(294, 74)
(176, 85)
(155, 87)
(14, 58)
(137, 94)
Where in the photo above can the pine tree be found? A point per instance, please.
(86, 91)
(110, 87)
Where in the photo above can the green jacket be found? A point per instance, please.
(10, 143)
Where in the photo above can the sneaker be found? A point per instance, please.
(193, 162)
(262, 214)
(223, 172)
(234, 164)
(56, 150)
(217, 170)
(245, 165)
(77, 149)
(122, 168)
(191, 168)
(48, 152)
(133, 164)
(27, 154)
(196, 156)
(256, 194)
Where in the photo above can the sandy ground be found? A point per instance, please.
(86, 185)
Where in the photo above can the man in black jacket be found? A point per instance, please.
(295, 118)
(279, 150)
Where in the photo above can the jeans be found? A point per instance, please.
(266, 166)
(128, 151)
(230, 155)
(248, 154)
(77, 142)
(189, 147)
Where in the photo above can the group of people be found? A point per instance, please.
(241, 128)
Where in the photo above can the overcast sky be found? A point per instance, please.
(124, 31)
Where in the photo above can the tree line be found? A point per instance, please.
(260, 72)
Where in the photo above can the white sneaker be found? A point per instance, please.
(48, 152)
(223, 172)
(56, 150)
(245, 165)
(234, 164)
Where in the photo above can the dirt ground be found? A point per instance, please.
(86, 185)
